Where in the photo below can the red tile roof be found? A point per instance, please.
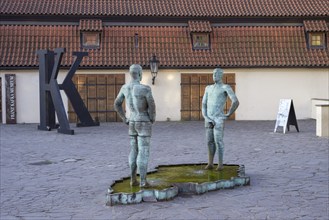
(231, 46)
(199, 26)
(179, 8)
(90, 25)
(316, 25)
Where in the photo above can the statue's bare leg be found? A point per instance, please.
(211, 148)
(220, 159)
(218, 136)
(132, 161)
(142, 158)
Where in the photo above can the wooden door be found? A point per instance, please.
(98, 92)
(192, 90)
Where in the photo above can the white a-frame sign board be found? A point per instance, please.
(286, 115)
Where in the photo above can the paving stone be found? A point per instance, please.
(289, 172)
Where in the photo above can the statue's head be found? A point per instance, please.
(135, 71)
(218, 74)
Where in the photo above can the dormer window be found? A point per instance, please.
(316, 39)
(90, 39)
(90, 32)
(200, 40)
(200, 34)
(316, 31)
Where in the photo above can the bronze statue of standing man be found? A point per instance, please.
(213, 103)
(142, 115)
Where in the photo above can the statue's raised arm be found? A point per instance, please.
(118, 105)
(234, 100)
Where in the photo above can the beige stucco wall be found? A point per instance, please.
(259, 91)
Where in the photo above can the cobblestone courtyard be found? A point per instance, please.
(46, 175)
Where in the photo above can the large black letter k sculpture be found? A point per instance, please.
(50, 97)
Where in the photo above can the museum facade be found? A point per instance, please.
(268, 49)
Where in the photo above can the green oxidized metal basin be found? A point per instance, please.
(168, 181)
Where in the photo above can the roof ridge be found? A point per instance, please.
(175, 8)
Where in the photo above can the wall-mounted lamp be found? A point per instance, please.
(154, 65)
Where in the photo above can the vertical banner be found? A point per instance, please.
(10, 98)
